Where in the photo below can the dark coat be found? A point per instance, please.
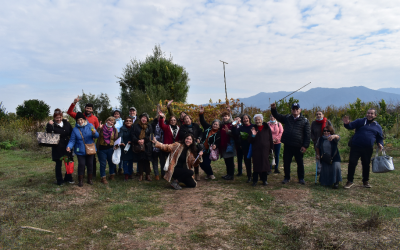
(60, 149)
(316, 131)
(243, 143)
(296, 131)
(195, 130)
(334, 149)
(135, 132)
(214, 139)
(126, 137)
(262, 144)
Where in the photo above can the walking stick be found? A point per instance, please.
(292, 93)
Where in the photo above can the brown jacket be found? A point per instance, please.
(175, 151)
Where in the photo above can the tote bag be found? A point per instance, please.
(383, 163)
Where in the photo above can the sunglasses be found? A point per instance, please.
(326, 131)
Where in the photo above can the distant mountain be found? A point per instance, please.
(391, 90)
(322, 97)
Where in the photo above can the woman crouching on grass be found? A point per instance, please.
(183, 159)
(83, 133)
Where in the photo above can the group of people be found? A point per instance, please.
(180, 147)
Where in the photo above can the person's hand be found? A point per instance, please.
(201, 153)
(93, 131)
(51, 122)
(141, 142)
(380, 147)
(101, 125)
(332, 137)
(68, 150)
(161, 114)
(198, 140)
(273, 106)
(122, 144)
(77, 99)
(201, 109)
(226, 128)
(169, 103)
(346, 119)
(129, 142)
(116, 147)
(253, 131)
(274, 140)
(154, 140)
(303, 150)
(214, 147)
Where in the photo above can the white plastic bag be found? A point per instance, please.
(382, 164)
(116, 157)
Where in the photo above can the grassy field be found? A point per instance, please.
(218, 214)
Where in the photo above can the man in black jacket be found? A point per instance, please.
(296, 138)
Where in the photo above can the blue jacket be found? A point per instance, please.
(366, 134)
(76, 141)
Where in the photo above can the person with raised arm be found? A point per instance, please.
(296, 137)
(88, 114)
(183, 158)
(317, 128)
(211, 140)
(277, 131)
(368, 131)
(243, 133)
(142, 145)
(157, 155)
(171, 130)
(83, 133)
(62, 127)
(262, 146)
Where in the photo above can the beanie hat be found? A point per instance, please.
(79, 115)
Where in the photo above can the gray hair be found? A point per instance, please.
(216, 120)
(376, 113)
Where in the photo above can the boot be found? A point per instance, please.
(148, 177)
(89, 179)
(80, 178)
(141, 177)
(157, 178)
(126, 177)
(111, 177)
(103, 180)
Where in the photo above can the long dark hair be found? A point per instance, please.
(192, 147)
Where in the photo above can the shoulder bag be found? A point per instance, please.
(90, 149)
(383, 163)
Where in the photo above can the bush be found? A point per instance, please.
(34, 109)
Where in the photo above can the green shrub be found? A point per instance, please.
(34, 109)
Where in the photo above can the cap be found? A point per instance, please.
(132, 108)
(295, 105)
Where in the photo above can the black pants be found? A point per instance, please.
(94, 166)
(230, 166)
(68, 177)
(239, 156)
(206, 164)
(247, 163)
(365, 155)
(160, 155)
(144, 166)
(288, 153)
(85, 160)
(263, 176)
(185, 176)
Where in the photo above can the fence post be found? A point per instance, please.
(241, 108)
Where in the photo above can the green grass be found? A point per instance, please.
(217, 214)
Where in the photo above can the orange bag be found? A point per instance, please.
(69, 164)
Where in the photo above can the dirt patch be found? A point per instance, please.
(290, 195)
(82, 195)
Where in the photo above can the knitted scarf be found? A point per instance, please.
(323, 123)
(107, 132)
(143, 132)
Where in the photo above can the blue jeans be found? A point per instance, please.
(206, 164)
(277, 150)
(128, 167)
(104, 157)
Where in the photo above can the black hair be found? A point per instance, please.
(90, 105)
(244, 116)
(192, 146)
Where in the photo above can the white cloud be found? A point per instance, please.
(58, 48)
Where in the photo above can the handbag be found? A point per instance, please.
(168, 161)
(214, 154)
(69, 164)
(383, 163)
(48, 139)
(138, 148)
(90, 149)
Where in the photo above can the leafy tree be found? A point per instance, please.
(285, 107)
(144, 83)
(3, 111)
(101, 105)
(36, 109)
(385, 119)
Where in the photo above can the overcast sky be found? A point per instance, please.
(51, 50)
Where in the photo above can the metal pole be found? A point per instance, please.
(223, 65)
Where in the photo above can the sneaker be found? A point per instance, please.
(366, 184)
(348, 185)
(197, 177)
(302, 182)
(285, 181)
(229, 178)
(223, 177)
(212, 177)
(175, 185)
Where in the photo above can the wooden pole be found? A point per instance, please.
(226, 93)
(241, 108)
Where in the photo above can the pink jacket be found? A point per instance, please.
(277, 130)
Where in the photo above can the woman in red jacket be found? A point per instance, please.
(170, 129)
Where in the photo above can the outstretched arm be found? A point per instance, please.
(280, 118)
